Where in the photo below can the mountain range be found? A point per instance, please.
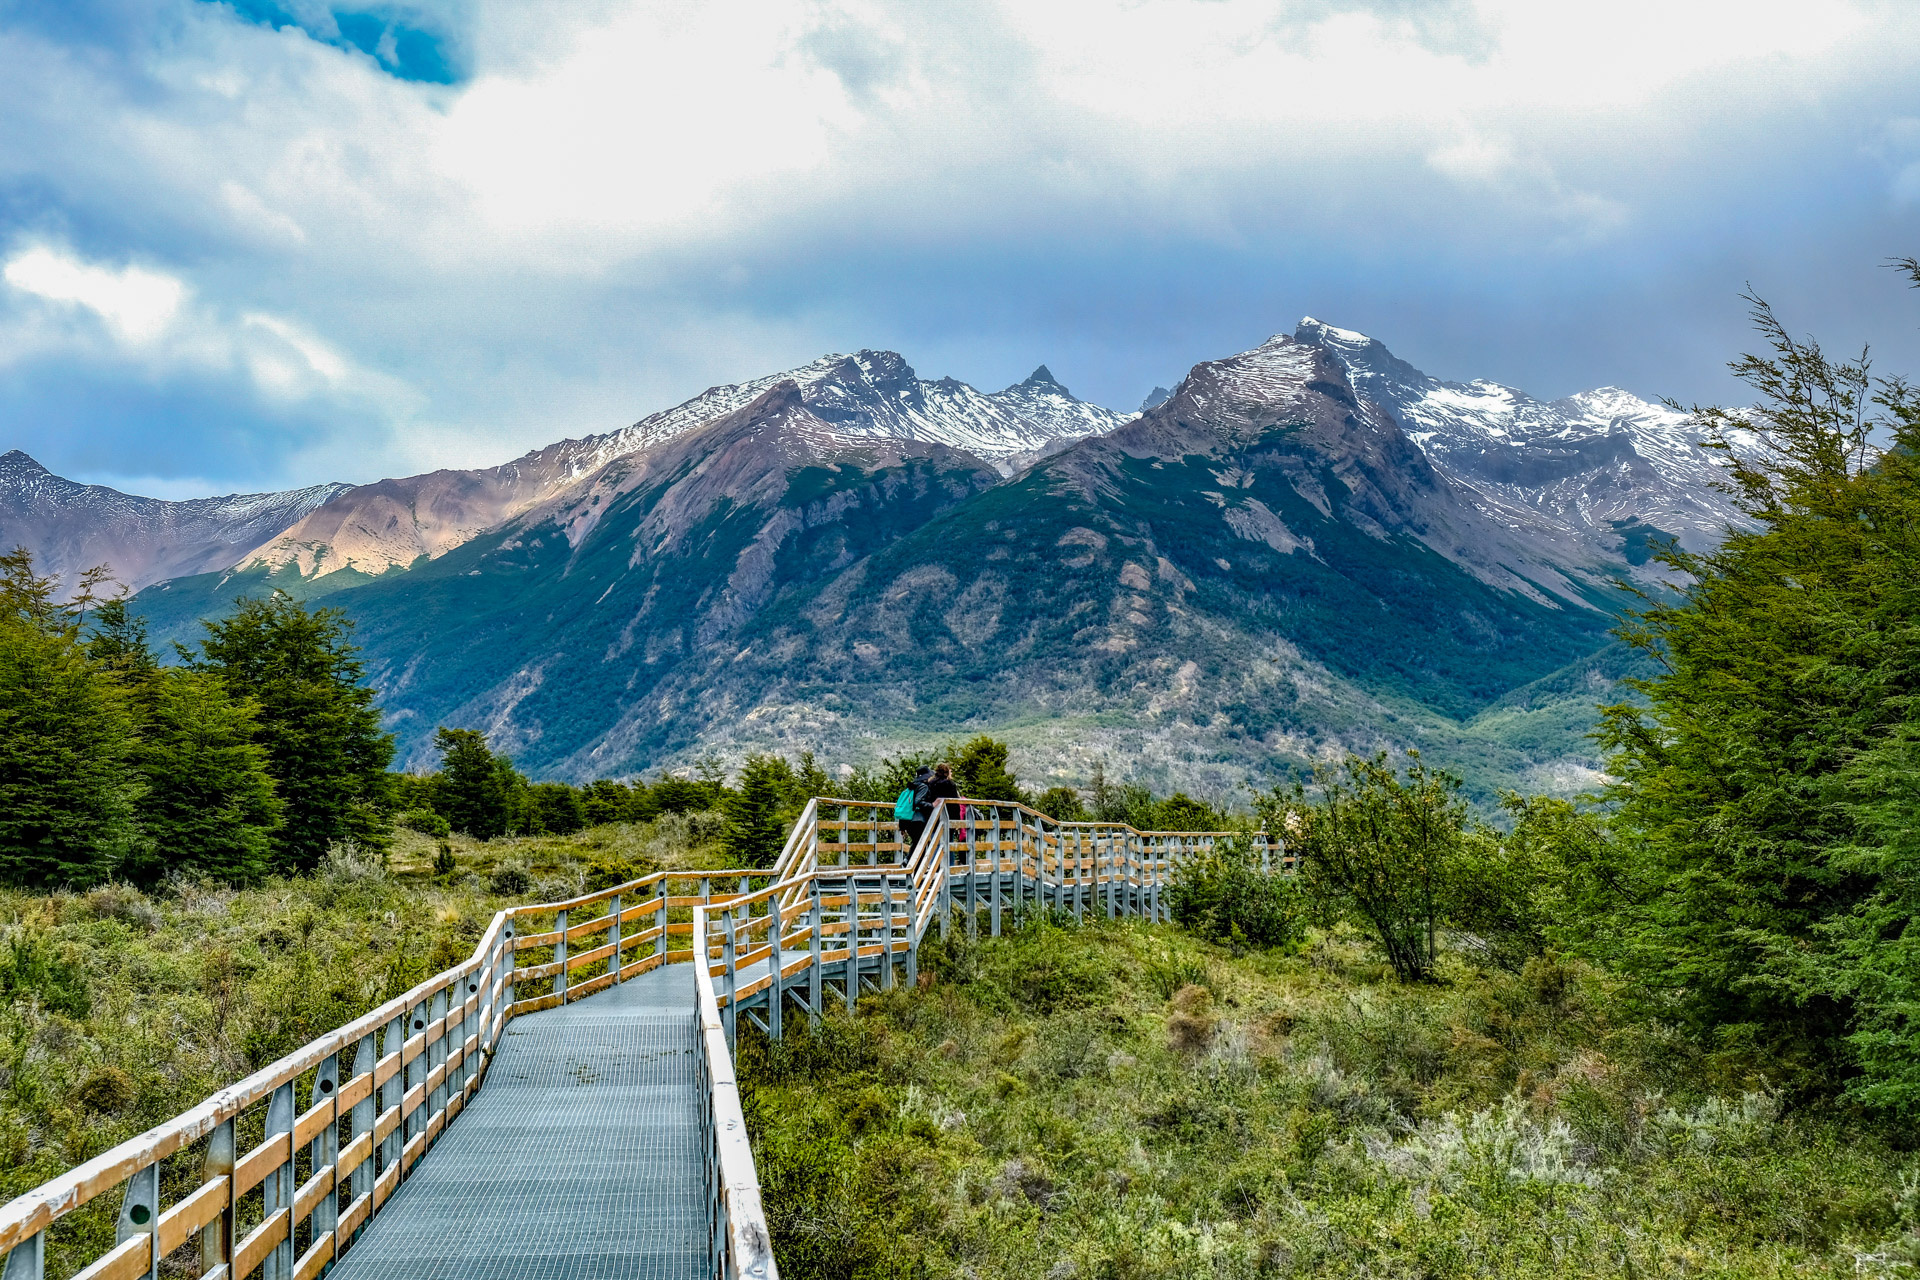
(1302, 549)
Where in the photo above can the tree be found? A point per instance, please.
(472, 791)
(980, 767)
(67, 787)
(117, 643)
(606, 801)
(1062, 803)
(209, 807)
(1224, 895)
(755, 833)
(1378, 849)
(1772, 886)
(325, 752)
(1181, 812)
(557, 809)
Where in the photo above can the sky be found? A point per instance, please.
(258, 244)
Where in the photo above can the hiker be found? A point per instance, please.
(942, 787)
(913, 808)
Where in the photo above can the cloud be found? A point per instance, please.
(138, 305)
(602, 206)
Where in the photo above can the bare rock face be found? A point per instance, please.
(71, 527)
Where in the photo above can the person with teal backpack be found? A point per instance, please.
(912, 809)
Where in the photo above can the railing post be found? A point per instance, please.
(277, 1191)
(945, 850)
(613, 936)
(325, 1147)
(886, 933)
(660, 922)
(560, 958)
(819, 941)
(360, 1121)
(852, 983)
(139, 1214)
(393, 1093)
(913, 932)
(439, 1009)
(506, 975)
(777, 993)
(727, 957)
(28, 1259)
(216, 1238)
(993, 879)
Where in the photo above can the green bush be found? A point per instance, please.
(1223, 895)
(425, 821)
(32, 968)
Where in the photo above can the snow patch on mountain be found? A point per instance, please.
(1592, 464)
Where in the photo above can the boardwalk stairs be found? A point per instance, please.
(561, 1106)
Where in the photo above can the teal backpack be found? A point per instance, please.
(903, 807)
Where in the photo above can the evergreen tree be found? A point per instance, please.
(980, 767)
(1063, 803)
(755, 834)
(325, 752)
(210, 807)
(606, 801)
(67, 788)
(1768, 885)
(117, 643)
(472, 791)
(557, 809)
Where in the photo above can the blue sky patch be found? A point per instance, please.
(406, 50)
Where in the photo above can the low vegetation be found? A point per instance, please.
(1127, 1100)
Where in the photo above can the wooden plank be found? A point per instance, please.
(436, 1077)
(384, 1185)
(354, 1154)
(435, 1125)
(357, 1212)
(386, 1123)
(252, 1251)
(355, 1090)
(591, 985)
(410, 1100)
(534, 1005)
(387, 1068)
(309, 1194)
(254, 1166)
(413, 1151)
(414, 1047)
(532, 941)
(315, 1259)
(583, 958)
(310, 1125)
(126, 1261)
(179, 1223)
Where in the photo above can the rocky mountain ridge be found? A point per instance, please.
(872, 394)
(72, 527)
(1601, 468)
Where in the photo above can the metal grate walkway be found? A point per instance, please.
(579, 1160)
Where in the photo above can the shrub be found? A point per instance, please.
(425, 821)
(32, 968)
(509, 881)
(1225, 896)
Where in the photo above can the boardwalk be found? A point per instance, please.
(607, 1142)
(580, 1159)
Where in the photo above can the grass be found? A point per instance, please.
(1122, 1101)
(120, 1009)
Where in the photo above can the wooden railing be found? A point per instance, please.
(847, 896)
(376, 1093)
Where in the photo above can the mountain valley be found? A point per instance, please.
(1303, 549)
